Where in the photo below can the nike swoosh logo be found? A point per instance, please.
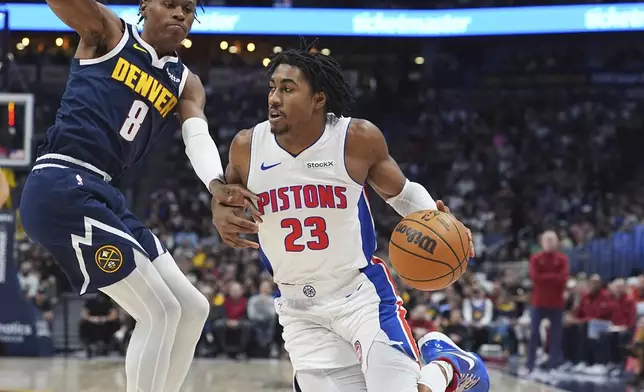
(264, 167)
(137, 47)
(466, 358)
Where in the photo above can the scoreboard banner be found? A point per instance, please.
(16, 129)
(376, 22)
(23, 331)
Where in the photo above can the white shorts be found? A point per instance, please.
(334, 324)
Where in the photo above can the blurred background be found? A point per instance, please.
(523, 120)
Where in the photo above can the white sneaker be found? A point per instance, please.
(597, 370)
(580, 367)
(523, 371)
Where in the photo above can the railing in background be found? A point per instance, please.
(619, 255)
(391, 23)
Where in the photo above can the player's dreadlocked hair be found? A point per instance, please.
(141, 17)
(322, 72)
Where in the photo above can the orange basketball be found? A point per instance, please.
(429, 250)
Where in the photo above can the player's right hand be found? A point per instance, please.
(230, 223)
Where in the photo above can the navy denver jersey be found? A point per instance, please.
(113, 109)
(115, 106)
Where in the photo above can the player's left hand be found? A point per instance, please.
(443, 208)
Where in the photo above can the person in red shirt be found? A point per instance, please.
(624, 320)
(234, 321)
(420, 322)
(596, 304)
(549, 271)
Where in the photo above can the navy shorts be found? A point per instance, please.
(84, 222)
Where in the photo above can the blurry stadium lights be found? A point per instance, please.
(20, 46)
(25, 41)
(250, 47)
(223, 45)
(326, 51)
(59, 42)
(187, 43)
(233, 49)
(266, 61)
(277, 49)
(419, 60)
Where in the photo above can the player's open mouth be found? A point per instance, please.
(274, 115)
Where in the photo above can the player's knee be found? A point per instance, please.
(195, 311)
(166, 311)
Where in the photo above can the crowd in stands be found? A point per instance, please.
(509, 162)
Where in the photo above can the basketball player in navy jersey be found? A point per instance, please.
(344, 325)
(124, 91)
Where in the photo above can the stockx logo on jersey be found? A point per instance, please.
(319, 164)
(303, 196)
(144, 84)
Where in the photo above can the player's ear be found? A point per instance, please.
(142, 9)
(320, 100)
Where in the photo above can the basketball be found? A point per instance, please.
(429, 250)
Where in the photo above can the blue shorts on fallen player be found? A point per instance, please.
(469, 371)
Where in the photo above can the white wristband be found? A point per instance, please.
(414, 197)
(202, 151)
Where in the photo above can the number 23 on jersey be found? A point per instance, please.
(316, 227)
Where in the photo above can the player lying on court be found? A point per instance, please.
(344, 324)
(125, 90)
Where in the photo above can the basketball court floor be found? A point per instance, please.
(107, 375)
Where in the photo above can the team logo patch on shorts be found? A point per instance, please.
(108, 258)
(358, 348)
(309, 291)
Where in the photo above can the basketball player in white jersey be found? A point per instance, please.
(344, 324)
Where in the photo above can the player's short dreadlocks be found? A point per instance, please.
(323, 73)
(141, 17)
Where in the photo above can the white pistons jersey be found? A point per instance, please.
(317, 223)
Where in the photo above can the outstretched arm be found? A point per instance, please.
(94, 22)
(367, 144)
(200, 147)
(384, 174)
(228, 200)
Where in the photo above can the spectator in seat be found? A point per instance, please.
(234, 321)
(478, 312)
(99, 323)
(623, 322)
(506, 313)
(44, 305)
(261, 312)
(29, 280)
(597, 305)
(549, 272)
(420, 322)
(636, 350)
(455, 328)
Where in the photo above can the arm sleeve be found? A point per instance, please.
(414, 197)
(202, 151)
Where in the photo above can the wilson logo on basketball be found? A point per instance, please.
(413, 236)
